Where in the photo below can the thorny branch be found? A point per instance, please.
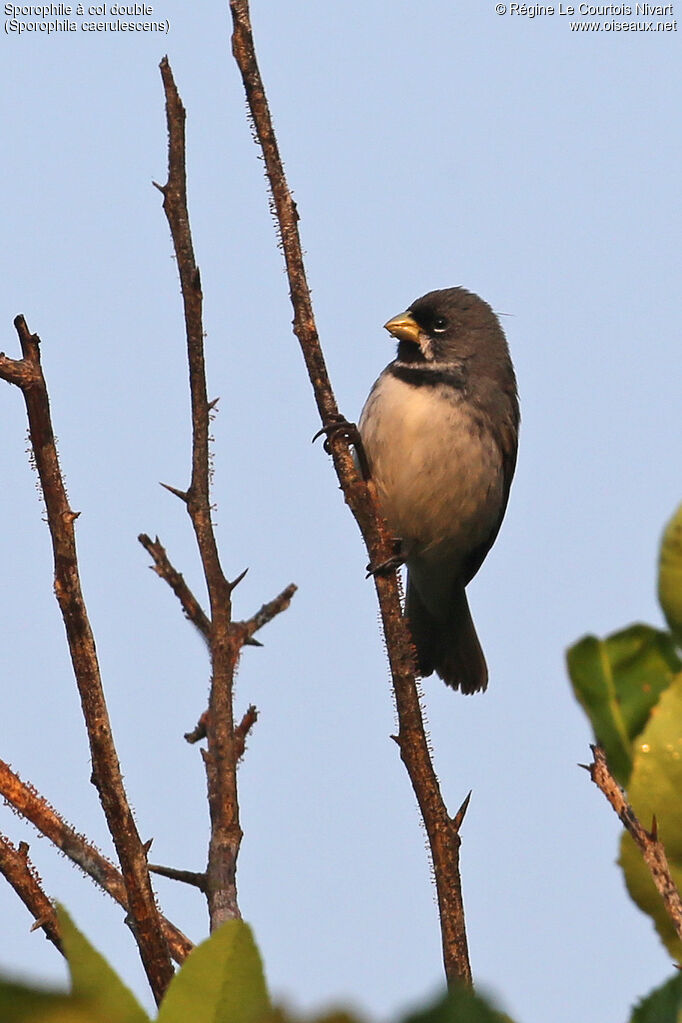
(648, 842)
(165, 570)
(225, 647)
(26, 373)
(442, 830)
(22, 875)
(225, 637)
(35, 808)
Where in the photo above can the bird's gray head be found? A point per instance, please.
(450, 325)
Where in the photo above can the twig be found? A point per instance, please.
(647, 842)
(190, 605)
(220, 757)
(22, 875)
(163, 568)
(199, 731)
(269, 611)
(33, 807)
(240, 733)
(106, 773)
(243, 729)
(442, 831)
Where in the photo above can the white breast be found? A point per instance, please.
(438, 474)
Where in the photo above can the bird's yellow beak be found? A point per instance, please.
(404, 327)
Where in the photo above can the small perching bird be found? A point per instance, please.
(439, 430)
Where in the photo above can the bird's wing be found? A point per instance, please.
(506, 435)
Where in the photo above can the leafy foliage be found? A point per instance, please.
(94, 981)
(618, 681)
(664, 1005)
(670, 575)
(221, 981)
(460, 1005)
(654, 791)
(22, 1004)
(630, 686)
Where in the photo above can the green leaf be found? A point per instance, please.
(460, 1005)
(618, 681)
(221, 981)
(20, 1003)
(656, 790)
(94, 980)
(670, 574)
(664, 1005)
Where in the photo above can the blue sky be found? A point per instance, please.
(425, 148)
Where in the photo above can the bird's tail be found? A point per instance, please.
(450, 647)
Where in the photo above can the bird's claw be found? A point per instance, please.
(397, 560)
(352, 435)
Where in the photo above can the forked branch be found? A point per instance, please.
(33, 807)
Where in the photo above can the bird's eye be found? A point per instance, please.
(439, 324)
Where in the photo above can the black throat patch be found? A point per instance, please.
(425, 374)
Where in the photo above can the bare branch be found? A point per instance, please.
(22, 875)
(443, 837)
(220, 758)
(33, 807)
(647, 842)
(106, 773)
(243, 729)
(269, 611)
(199, 731)
(163, 568)
(190, 605)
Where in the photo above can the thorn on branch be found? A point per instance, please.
(459, 816)
(182, 494)
(197, 880)
(47, 918)
(233, 585)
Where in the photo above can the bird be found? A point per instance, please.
(439, 431)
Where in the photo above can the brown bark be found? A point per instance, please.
(33, 807)
(442, 830)
(26, 373)
(22, 875)
(225, 644)
(647, 842)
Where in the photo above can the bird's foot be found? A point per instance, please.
(352, 435)
(397, 560)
